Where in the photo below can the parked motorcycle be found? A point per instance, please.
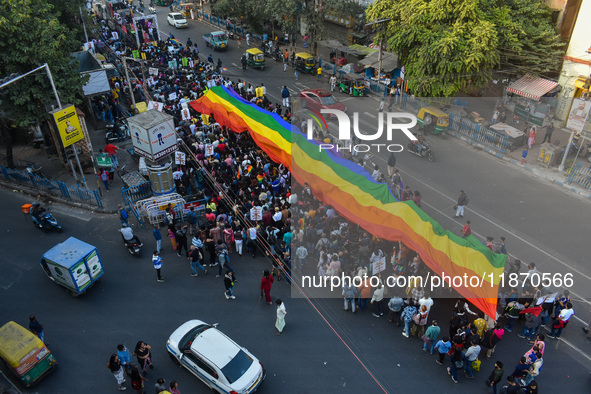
(425, 151)
(43, 219)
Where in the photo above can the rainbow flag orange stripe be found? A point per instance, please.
(357, 197)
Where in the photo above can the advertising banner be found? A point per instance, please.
(68, 125)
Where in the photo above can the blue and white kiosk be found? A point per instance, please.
(74, 265)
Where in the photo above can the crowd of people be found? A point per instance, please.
(253, 206)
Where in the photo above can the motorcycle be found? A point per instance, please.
(424, 152)
(133, 247)
(117, 131)
(46, 221)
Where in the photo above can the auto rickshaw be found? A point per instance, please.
(305, 62)
(25, 354)
(352, 84)
(255, 58)
(433, 119)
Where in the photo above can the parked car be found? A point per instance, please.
(219, 362)
(317, 99)
(177, 20)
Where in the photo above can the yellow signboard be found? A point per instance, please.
(68, 125)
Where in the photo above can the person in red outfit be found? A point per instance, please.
(266, 284)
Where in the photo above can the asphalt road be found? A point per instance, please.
(323, 349)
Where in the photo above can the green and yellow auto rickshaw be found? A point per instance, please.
(433, 119)
(353, 85)
(305, 62)
(255, 58)
(25, 354)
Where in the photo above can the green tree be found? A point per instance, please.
(30, 35)
(452, 45)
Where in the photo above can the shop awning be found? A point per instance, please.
(531, 87)
(389, 61)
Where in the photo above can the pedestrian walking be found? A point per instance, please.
(333, 83)
(491, 338)
(391, 164)
(319, 73)
(495, 377)
(158, 238)
(456, 362)
(195, 256)
(285, 63)
(248, 39)
(430, 337)
(285, 96)
(181, 239)
(297, 75)
(173, 388)
(281, 312)
(117, 370)
(137, 380)
(471, 356)
(443, 346)
(395, 305)
(124, 357)
(561, 321)
(239, 240)
(524, 155)
(376, 300)
(192, 221)
(223, 258)
(548, 134)
(406, 317)
(143, 355)
(534, 368)
(462, 202)
(160, 386)
(532, 137)
(123, 215)
(239, 41)
(105, 178)
(36, 327)
(266, 284)
(229, 281)
(349, 293)
(157, 260)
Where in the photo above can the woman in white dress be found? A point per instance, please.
(281, 312)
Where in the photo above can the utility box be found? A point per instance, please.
(547, 153)
(153, 135)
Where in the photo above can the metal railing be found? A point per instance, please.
(580, 175)
(57, 188)
(476, 132)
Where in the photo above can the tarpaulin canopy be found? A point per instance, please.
(360, 199)
(531, 87)
(389, 61)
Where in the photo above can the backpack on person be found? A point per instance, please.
(123, 214)
(459, 364)
(272, 238)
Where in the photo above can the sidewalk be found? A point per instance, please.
(54, 168)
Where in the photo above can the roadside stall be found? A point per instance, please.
(25, 354)
(74, 265)
(532, 100)
(516, 138)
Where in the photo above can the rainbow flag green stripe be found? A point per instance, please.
(357, 197)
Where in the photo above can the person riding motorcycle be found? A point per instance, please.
(38, 213)
(128, 235)
(421, 143)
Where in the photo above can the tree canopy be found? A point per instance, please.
(31, 35)
(451, 45)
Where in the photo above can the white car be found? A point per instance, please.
(223, 365)
(177, 20)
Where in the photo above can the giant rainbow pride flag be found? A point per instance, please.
(356, 196)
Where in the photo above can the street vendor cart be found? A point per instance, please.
(516, 137)
(74, 265)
